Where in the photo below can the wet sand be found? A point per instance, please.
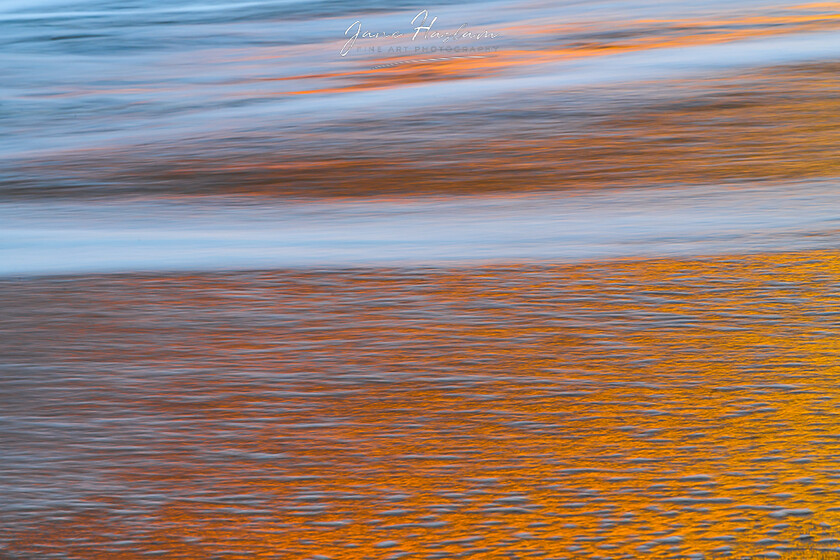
(671, 408)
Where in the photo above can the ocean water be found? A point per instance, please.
(663, 408)
(225, 233)
(567, 290)
(207, 97)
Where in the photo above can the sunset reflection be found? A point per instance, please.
(290, 279)
(656, 408)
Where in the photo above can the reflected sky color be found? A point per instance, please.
(569, 295)
(649, 409)
(210, 97)
(227, 233)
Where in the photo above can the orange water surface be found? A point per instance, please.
(626, 409)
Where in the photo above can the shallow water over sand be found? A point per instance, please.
(636, 409)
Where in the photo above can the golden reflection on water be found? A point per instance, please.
(638, 409)
(778, 123)
(536, 42)
(773, 120)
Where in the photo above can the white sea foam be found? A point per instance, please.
(227, 233)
